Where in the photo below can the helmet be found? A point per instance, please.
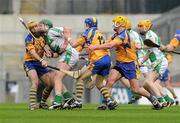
(120, 21)
(177, 34)
(128, 25)
(32, 23)
(91, 22)
(146, 24)
(47, 22)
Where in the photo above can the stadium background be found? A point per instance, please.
(13, 83)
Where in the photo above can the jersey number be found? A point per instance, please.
(101, 40)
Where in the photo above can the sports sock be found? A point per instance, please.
(105, 93)
(58, 99)
(45, 94)
(32, 96)
(161, 99)
(167, 98)
(67, 95)
(79, 91)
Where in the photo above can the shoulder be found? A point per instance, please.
(151, 33)
(133, 34)
(123, 35)
(29, 38)
(85, 33)
(98, 33)
(56, 30)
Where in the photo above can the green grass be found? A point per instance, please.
(18, 113)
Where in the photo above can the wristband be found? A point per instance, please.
(41, 60)
(69, 39)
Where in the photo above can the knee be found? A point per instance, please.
(168, 87)
(98, 85)
(147, 82)
(34, 84)
(110, 82)
(135, 89)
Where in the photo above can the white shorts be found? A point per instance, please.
(70, 57)
(144, 69)
(161, 68)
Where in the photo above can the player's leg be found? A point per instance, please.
(140, 90)
(58, 85)
(80, 87)
(126, 82)
(48, 79)
(100, 70)
(67, 61)
(164, 79)
(135, 96)
(113, 76)
(80, 83)
(109, 102)
(149, 83)
(33, 77)
(162, 71)
(164, 99)
(171, 89)
(128, 70)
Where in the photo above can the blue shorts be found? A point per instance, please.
(102, 66)
(35, 65)
(127, 70)
(165, 76)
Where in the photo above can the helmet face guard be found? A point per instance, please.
(115, 26)
(32, 24)
(47, 22)
(145, 24)
(119, 21)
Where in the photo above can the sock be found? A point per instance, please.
(67, 95)
(161, 99)
(79, 91)
(167, 98)
(105, 93)
(32, 96)
(58, 99)
(153, 100)
(45, 94)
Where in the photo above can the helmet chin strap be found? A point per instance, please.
(86, 26)
(116, 29)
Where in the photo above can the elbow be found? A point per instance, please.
(110, 45)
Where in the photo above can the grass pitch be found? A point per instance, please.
(19, 113)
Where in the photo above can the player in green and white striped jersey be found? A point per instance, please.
(68, 56)
(140, 54)
(158, 60)
(140, 51)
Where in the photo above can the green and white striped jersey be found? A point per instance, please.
(155, 53)
(55, 40)
(140, 53)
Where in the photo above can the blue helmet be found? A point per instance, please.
(91, 22)
(177, 34)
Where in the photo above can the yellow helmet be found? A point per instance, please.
(31, 24)
(128, 25)
(146, 24)
(120, 21)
